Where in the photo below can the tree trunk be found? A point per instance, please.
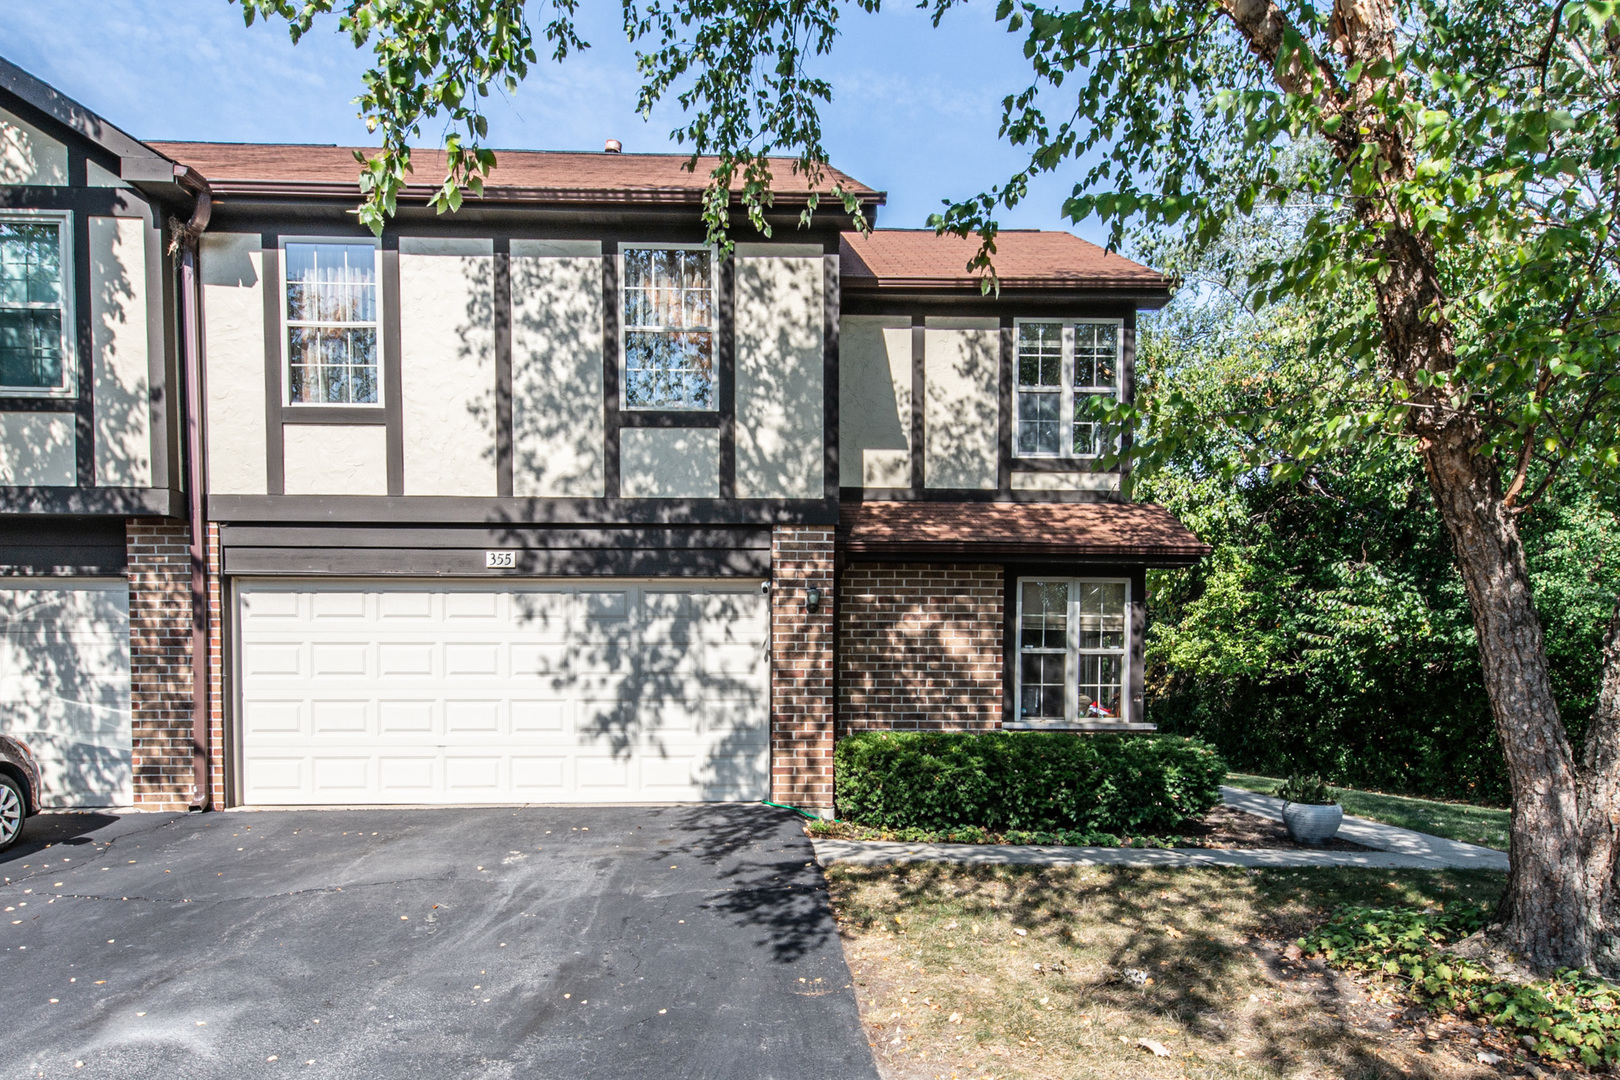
(1559, 910)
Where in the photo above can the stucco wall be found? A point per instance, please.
(335, 459)
(231, 267)
(29, 156)
(874, 401)
(37, 450)
(119, 309)
(669, 463)
(557, 423)
(962, 373)
(779, 390)
(447, 363)
(1027, 481)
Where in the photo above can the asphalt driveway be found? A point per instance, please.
(664, 942)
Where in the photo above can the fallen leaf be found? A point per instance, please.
(1157, 1047)
(1021, 932)
(954, 1018)
(1173, 932)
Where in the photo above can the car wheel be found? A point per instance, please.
(12, 809)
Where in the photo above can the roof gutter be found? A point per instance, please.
(184, 242)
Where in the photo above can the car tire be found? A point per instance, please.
(13, 811)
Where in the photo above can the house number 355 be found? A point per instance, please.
(500, 560)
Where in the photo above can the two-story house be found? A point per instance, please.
(548, 500)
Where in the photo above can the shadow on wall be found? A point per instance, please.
(122, 338)
(780, 403)
(961, 414)
(64, 689)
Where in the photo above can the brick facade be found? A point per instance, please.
(802, 707)
(159, 574)
(920, 647)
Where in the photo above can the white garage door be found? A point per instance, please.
(64, 686)
(399, 692)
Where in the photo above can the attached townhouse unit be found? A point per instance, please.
(548, 500)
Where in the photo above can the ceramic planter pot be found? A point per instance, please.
(1311, 824)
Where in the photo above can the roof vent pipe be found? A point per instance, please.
(613, 146)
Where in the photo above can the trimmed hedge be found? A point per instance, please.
(1025, 781)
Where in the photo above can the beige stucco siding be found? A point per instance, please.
(96, 176)
(232, 271)
(37, 450)
(447, 365)
(557, 421)
(1078, 481)
(669, 463)
(335, 459)
(119, 351)
(780, 404)
(962, 373)
(874, 401)
(29, 156)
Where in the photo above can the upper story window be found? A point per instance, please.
(1061, 365)
(1073, 651)
(35, 319)
(331, 323)
(667, 327)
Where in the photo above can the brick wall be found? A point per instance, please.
(920, 647)
(160, 662)
(802, 667)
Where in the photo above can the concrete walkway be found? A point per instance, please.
(1394, 849)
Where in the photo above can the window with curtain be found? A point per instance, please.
(668, 327)
(331, 324)
(1073, 651)
(1061, 366)
(33, 311)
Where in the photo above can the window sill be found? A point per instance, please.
(1097, 726)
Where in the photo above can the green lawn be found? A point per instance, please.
(1455, 821)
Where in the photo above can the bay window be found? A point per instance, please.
(1061, 365)
(1073, 659)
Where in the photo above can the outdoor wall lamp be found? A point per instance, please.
(812, 599)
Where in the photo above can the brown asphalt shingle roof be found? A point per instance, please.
(919, 258)
(562, 176)
(1097, 532)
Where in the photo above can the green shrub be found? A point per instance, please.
(1307, 790)
(1045, 782)
(1568, 1016)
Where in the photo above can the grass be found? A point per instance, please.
(1455, 821)
(1027, 972)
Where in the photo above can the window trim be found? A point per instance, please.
(714, 326)
(70, 355)
(1071, 654)
(1069, 391)
(286, 325)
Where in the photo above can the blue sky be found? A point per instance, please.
(915, 109)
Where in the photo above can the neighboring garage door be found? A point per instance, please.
(428, 692)
(64, 686)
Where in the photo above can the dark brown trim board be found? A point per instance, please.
(482, 537)
(393, 379)
(675, 418)
(610, 369)
(274, 455)
(122, 502)
(440, 509)
(726, 373)
(855, 494)
(919, 403)
(63, 546)
(531, 563)
(346, 415)
(503, 366)
(94, 202)
(84, 415)
(829, 375)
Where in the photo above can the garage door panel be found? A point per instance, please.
(504, 692)
(65, 687)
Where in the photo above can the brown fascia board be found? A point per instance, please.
(1146, 295)
(1165, 557)
(277, 189)
(139, 163)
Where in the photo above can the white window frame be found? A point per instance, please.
(286, 324)
(1069, 390)
(70, 356)
(714, 327)
(1071, 658)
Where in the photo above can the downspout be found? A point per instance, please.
(184, 242)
